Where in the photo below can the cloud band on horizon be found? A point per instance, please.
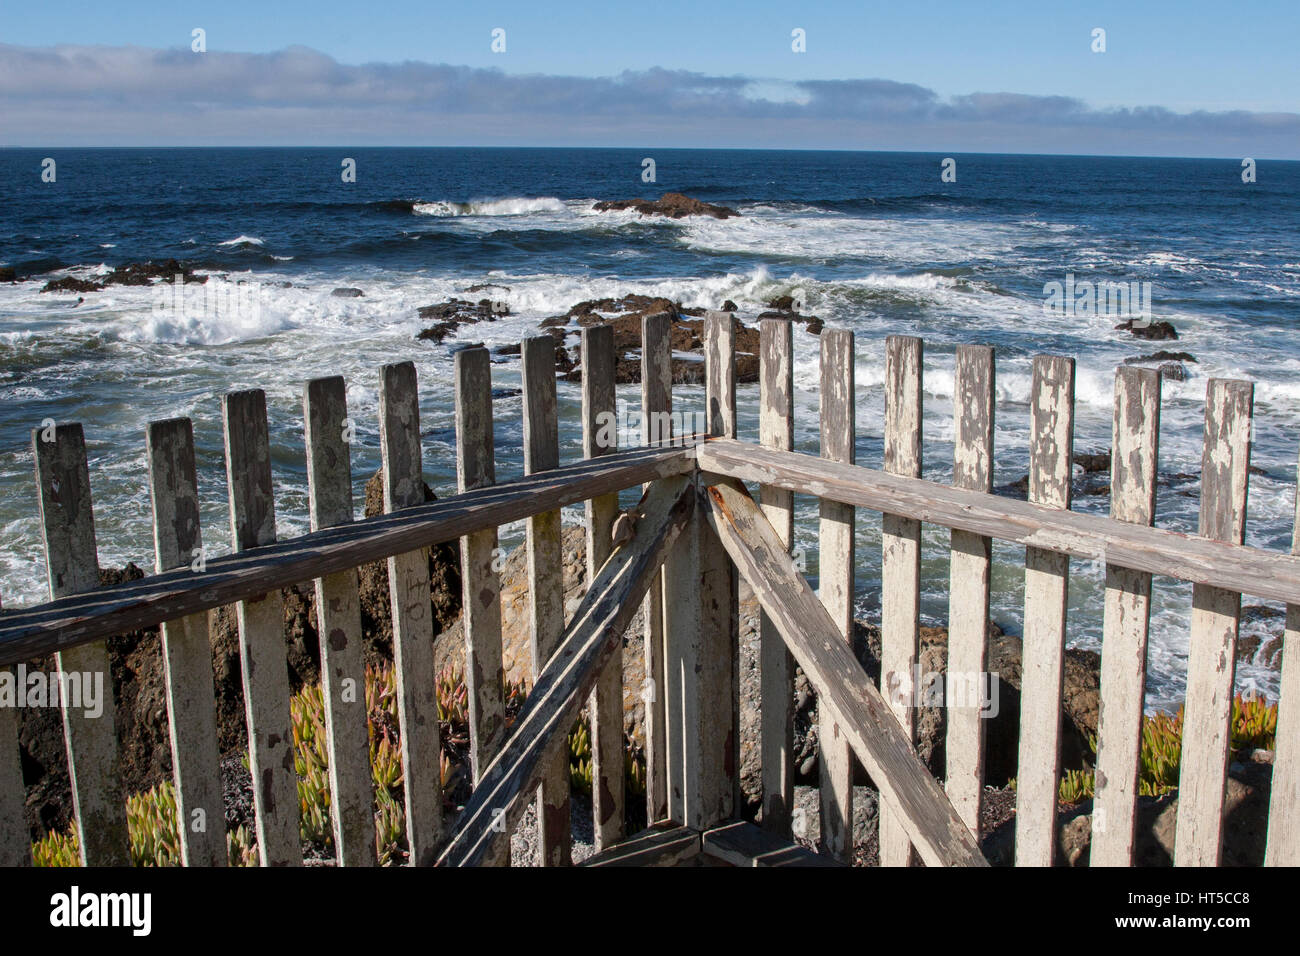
(127, 95)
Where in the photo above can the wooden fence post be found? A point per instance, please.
(261, 634)
(968, 576)
(15, 839)
(481, 580)
(73, 567)
(719, 733)
(187, 649)
(776, 666)
(835, 582)
(1047, 575)
(605, 706)
(1216, 613)
(408, 581)
(338, 614)
(900, 569)
(476, 468)
(662, 690)
(1134, 456)
(1283, 846)
(546, 583)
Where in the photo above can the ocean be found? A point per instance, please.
(873, 241)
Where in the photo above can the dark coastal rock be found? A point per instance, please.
(1173, 371)
(1093, 462)
(783, 307)
(672, 205)
(72, 284)
(347, 292)
(133, 274)
(1161, 356)
(728, 306)
(8, 275)
(449, 316)
(1155, 331)
(625, 315)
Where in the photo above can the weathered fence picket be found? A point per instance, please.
(263, 664)
(1216, 613)
(63, 478)
(1134, 457)
(546, 583)
(900, 566)
(338, 613)
(776, 666)
(1047, 574)
(1283, 846)
(970, 564)
(408, 583)
(660, 692)
(719, 733)
(186, 647)
(605, 707)
(480, 577)
(835, 567)
(15, 846)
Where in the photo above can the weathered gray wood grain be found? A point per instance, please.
(606, 704)
(970, 565)
(663, 844)
(263, 665)
(1047, 575)
(1256, 571)
(662, 691)
(1216, 613)
(1283, 846)
(900, 569)
(481, 580)
(545, 582)
(858, 708)
(835, 569)
(28, 633)
(776, 666)
(570, 673)
(187, 650)
(338, 614)
(1134, 457)
(408, 580)
(719, 604)
(72, 566)
(15, 841)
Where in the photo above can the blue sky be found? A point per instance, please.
(1207, 63)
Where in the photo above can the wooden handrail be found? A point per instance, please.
(570, 673)
(30, 633)
(847, 695)
(1235, 567)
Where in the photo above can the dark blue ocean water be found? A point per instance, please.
(872, 241)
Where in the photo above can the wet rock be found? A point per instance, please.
(347, 292)
(132, 274)
(8, 275)
(672, 205)
(1149, 330)
(72, 284)
(1174, 372)
(728, 306)
(1161, 356)
(449, 316)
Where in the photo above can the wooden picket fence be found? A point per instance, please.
(697, 531)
